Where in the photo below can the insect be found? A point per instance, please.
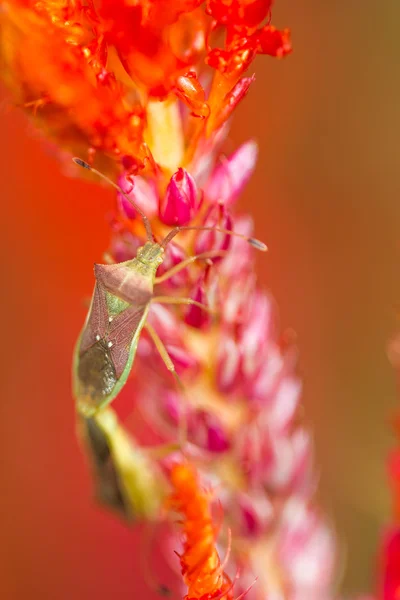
(118, 312)
(125, 478)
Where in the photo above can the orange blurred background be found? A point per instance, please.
(325, 198)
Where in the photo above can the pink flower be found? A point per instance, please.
(228, 374)
(306, 548)
(174, 254)
(391, 565)
(217, 216)
(142, 192)
(255, 513)
(181, 200)
(195, 315)
(232, 174)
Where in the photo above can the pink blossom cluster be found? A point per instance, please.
(242, 395)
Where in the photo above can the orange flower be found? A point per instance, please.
(201, 567)
(99, 77)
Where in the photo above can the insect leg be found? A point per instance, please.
(170, 366)
(184, 263)
(172, 300)
(160, 347)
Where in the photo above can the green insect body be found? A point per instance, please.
(106, 348)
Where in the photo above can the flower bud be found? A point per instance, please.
(254, 453)
(276, 389)
(236, 305)
(164, 321)
(274, 42)
(228, 374)
(306, 546)
(230, 176)
(141, 192)
(181, 200)
(174, 254)
(124, 246)
(255, 513)
(195, 315)
(256, 335)
(239, 256)
(182, 358)
(291, 465)
(204, 158)
(284, 403)
(218, 217)
(232, 99)
(190, 91)
(208, 432)
(172, 406)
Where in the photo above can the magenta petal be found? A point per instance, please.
(174, 254)
(232, 98)
(239, 256)
(182, 358)
(256, 335)
(181, 200)
(208, 432)
(228, 364)
(216, 439)
(284, 404)
(291, 467)
(124, 246)
(172, 405)
(140, 191)
(165, 322)
(255, 513)
(217, 216)
(230, 176)
(195, 315)
(307, 548)
(236, 302)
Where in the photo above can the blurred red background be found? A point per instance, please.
(325, 198)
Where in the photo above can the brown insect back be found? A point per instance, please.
(116, 317)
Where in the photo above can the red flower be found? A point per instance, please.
(391, 566)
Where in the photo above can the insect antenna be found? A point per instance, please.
(146, 222)
(250, 240)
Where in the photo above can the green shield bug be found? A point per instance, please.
(121, 300)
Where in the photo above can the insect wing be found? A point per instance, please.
(107, 346)
(97, 319)
(102, 369)
(123, 329)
